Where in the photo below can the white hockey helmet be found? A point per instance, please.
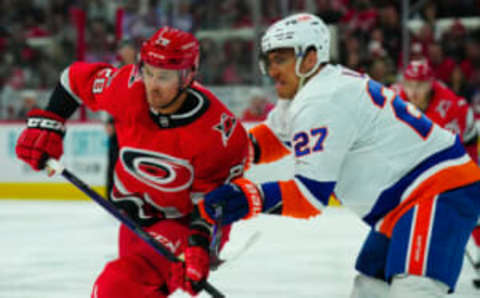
(301, 32)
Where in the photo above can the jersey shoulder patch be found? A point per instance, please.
(225, 127)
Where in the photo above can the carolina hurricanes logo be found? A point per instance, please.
(226, 127)
(160, 171)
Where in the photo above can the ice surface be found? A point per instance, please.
(53, 249)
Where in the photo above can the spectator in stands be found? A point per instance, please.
(211, 60)
(381, 70)
(17, 79)
(442, 66)
(352, 53)
(23, 54)
(34, 28)
(330, 11)
(430, 12)
(29, 102)
(259, 106)
(64, 39)
(236, 13)
(204, 14)
(271, 11)
(127, 52)
(373, 28)
(458, 82)
(349, 43)
(361, 17)
(389, 21)
(100, 42)
(183, 19)
(375, 48)
(97, 9)
(46, 72)
(472, 55)
(137, 24)
(238, 62)
(425, 35)
(377, 35)
(453, 41)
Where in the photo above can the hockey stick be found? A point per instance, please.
(54, 166)
(214, 248)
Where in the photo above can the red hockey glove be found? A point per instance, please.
(190, 274)
(240, 199)
(41, 139)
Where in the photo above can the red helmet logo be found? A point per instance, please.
(171, 48)
(418, 70)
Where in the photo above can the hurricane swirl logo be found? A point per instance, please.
(160, 171)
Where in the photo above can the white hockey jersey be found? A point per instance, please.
(356, 137)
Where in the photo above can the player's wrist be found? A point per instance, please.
(253, 194)
(62, 103)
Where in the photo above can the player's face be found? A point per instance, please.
(161, 85)
(281, 68)
(418, 92)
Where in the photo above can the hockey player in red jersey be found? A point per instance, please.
(177, 141)
(439, 103)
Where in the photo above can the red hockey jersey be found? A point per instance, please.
(165, 161)
(452, 113)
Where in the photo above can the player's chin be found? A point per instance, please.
(155, 103)
(284, 93)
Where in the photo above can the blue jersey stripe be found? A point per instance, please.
(390, 198)
(320, 190)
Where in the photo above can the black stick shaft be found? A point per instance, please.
(136, 228)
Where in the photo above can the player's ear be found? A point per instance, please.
(188, 77)
(309, 61)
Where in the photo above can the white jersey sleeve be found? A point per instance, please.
(322, 134)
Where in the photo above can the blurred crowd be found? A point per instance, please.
(38, 38)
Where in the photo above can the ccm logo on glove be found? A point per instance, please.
(46, 124)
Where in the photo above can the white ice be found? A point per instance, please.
(53, 249)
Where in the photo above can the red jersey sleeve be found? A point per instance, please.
(89, 83)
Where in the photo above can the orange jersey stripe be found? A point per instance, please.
(418, 242)
(294, 203)
(446, 179)
(271, 148)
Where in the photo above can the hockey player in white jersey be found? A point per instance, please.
(406, 177)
